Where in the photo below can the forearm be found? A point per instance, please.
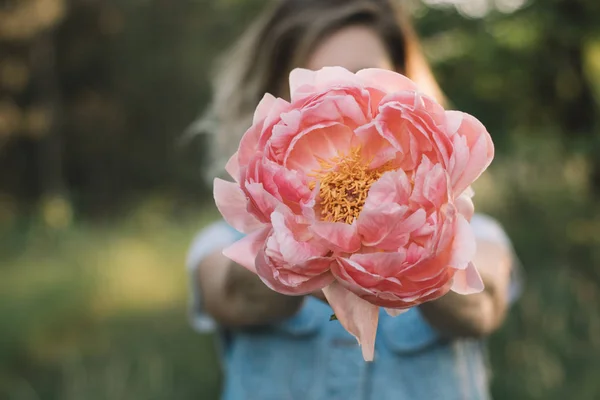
(252, 303)
(237, 298)
(476, 314)
(455, 316)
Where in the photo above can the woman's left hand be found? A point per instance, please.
(478, 314)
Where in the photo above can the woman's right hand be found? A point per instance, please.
(237, 298)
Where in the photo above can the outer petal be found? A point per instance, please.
(233, 167)
(300, 77)
(464, 245)
(394, 312)
(479, 142)
(467, 281)
(262, 203)
(464, 205)
(283, 185)
(307, 81)
(414, 124)
(385, 80)
(358, 316)
(232, 204)
(430, 185)
(255, 138)
(249, 145)
(428, 271)
(278, 109)
(263, 108)
(292, 187)
(338, 236)
(287, 282)
(389, 226)
(355, 277)
(382, 264)
(344, 269)
(292, 250)
(245, 250)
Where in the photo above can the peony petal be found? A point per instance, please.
(392, 188)
(249, 145)
(431, 183)
(308, 206)
(394, 312)
(304, 81)
(292, 187)
(348, 105)
(414, 124)
(356, 277)
(357, 316)
(262, 203)
(374, 148)
(436, 185)
(338, 236)
(433, 109)
(279, 108)
(388, 227)
(425, 271)
(453, 121)
(467, 281)
(478, 162)
(464, 245)
(300, 77)
(314, 266)
(245, 250)
(459, 159)
(344, 269)
(464, 205)
(292, 251)
(264, 107)
(291, 283)
(320, 142)
(479, 142)
(233, 167)
(387, 81)
(329, 77)
(383, 264)
(232, 204)
(255, 139)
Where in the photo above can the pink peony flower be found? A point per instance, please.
(359, 186)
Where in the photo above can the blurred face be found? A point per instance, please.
(354, 48)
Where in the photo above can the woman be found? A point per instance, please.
(278, 347)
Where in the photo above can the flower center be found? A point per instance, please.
(344, 185)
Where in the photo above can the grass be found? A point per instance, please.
(99, 312)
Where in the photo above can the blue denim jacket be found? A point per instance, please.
(308, 357)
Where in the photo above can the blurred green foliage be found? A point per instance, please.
(99, 201)
(99, 311)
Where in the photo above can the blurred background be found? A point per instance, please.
(100, 198)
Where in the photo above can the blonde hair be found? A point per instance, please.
(282, 39)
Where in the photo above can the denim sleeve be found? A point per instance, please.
(212, 238)
(489, 229)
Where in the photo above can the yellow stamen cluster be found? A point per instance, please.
(344, 185)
